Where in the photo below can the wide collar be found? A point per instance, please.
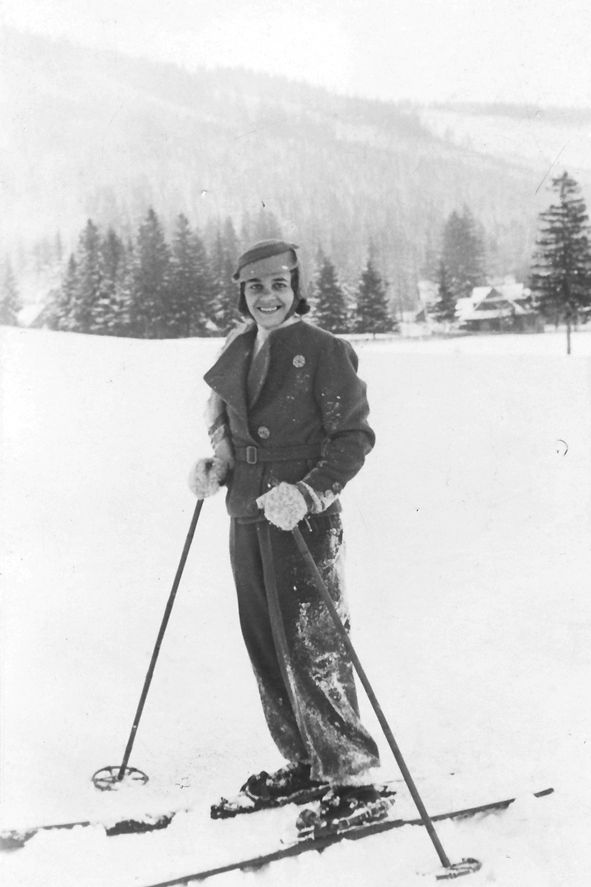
(228, 375)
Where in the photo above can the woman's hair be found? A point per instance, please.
(301, 305)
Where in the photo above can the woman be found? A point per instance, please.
(288, 424)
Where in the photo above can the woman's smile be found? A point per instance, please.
(269, 298)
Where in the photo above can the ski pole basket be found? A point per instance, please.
(110, 778)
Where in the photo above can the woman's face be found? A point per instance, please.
(269, 298)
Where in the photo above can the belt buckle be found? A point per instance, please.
(251, 455)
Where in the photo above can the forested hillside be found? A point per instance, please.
(92, 134)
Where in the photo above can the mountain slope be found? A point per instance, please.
(98, 134)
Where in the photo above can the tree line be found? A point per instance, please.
(147, 287)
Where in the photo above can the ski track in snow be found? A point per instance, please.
(468, 555)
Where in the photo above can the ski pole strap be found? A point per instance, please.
(252, 454)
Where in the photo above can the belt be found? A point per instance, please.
(252, 455)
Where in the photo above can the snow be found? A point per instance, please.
(468, 537)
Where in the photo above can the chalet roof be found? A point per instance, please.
(490, 302)
(505, 290)
(486, 310)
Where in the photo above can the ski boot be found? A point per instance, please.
(345, 807)
(293, 779)
(291, 784)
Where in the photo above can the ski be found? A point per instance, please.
(15, 838)
(307, 844)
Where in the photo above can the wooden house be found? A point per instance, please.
(502, 308)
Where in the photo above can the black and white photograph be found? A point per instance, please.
(295, 443)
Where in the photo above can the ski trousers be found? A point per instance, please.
(304, 674)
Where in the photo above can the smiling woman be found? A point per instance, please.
(289, 429)
(270, 286)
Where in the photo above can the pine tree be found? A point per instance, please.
(10, 303)
(183, 278)
(151, 281)
(89, 279)
(224, 258)
(463, 253)
(444, 308)
(127, 294)
(330, 306)
(61, 316)
(107, 319)
(204, 295)
(372, 314)
(561, 271)
(192, 284)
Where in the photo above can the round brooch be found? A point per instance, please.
(299, 360)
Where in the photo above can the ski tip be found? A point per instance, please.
(544, 793)
(14, 840)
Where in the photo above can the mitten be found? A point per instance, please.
(206, 476)
(284, 506)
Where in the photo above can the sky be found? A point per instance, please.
(520, 51)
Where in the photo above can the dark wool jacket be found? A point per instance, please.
(301, 416)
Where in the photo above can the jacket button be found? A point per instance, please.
(263, 432)
(299, 361)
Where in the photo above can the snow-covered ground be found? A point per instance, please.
(469, 555)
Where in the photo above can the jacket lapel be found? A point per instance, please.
(228, 375)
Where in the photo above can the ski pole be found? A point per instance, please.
(108, 777)
(454, 869)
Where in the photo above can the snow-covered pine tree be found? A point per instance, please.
(330, 306)
(463, 253)
(86, 292)
(561, 269)
(204, 295)
(61, 312)
(224, 311)
(152, 274)
(10, 303)
(444, 309)
(107, 319)
(183, 278)
(126, 293)
(372, 314)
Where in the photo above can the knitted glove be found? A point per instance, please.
(284, 506)
(207, 476)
